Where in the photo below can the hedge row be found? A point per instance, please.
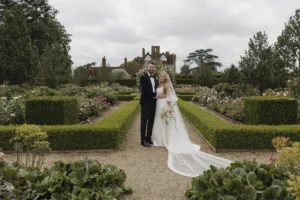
(185, 97)
(126, 97)
(224, 135)
(49, 110)
(184, 81)
(185, 93)
(127, 82)
(125, 93)
(107, 134)
(270, 110)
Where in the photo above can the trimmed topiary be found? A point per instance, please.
(51, 110)
(270, 110)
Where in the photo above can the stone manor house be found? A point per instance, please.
(164, 58)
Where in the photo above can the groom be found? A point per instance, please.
(148, 104)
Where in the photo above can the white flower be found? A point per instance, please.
(12, 114)
(16, 98)
(4, 98)
(10, 188)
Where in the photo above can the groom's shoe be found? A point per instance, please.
(149, 141)
(145, 144)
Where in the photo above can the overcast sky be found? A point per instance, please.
(119, 28)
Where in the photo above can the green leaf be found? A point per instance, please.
(251, 178)
(228, 184)
(250, 193)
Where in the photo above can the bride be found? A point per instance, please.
(184, 157)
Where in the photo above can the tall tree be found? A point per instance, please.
(259, 66)
(203, 56)
(81, 76)
(288, 43)
(232, 75)
(53, 70)
(204, 76)
(17, 55)
(185, 70)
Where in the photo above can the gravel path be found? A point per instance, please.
(146, 168)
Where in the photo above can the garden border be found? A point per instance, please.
(223, 136)
(107, 134)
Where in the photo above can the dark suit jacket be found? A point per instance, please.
(147, 96)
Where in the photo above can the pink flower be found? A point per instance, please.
(272, 158)
(9, 188)
(1, 155)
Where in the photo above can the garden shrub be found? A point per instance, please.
(224, 135)
(126, 97)
(270, 110)
(184, 81)
(119, 74)
(107, 134)
(83, 179)
(126, 82)
(51, 110)
(242, 180)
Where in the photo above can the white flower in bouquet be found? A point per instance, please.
(167, 113)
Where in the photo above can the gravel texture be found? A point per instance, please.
(146, 168)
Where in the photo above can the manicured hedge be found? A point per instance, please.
(184, 81)
(126, 97)
(48, 110)
(125, 93)
(107, 134)
(186, 97)
(185, 93)
(127, 82)
(224, 135)
(270, 110)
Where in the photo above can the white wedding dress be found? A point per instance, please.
(184, 157)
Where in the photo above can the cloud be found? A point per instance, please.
(121, 28)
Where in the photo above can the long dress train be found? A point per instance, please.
(184, 157)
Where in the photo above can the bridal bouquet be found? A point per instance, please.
(167, 113)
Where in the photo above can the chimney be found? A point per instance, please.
(143, 55)
(125, 62)
(104, 62)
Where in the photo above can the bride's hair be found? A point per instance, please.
(166, 84)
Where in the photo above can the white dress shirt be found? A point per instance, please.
(152, 82)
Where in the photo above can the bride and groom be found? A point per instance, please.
(184, 157)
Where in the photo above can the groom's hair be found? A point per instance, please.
(151, 63)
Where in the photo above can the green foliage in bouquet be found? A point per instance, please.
(84, 179)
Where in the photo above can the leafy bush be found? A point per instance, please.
(51, 110)
(10, 91)
(270, 110)
(72, 90)
(84, 179)
(43, 91)
(32, 142)
(91, 107)
(119, 74)
(127, 82)
(12, 111)
(110, 94)
(227, 90)
(184, 81)
(118, 87)
(242, 180)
